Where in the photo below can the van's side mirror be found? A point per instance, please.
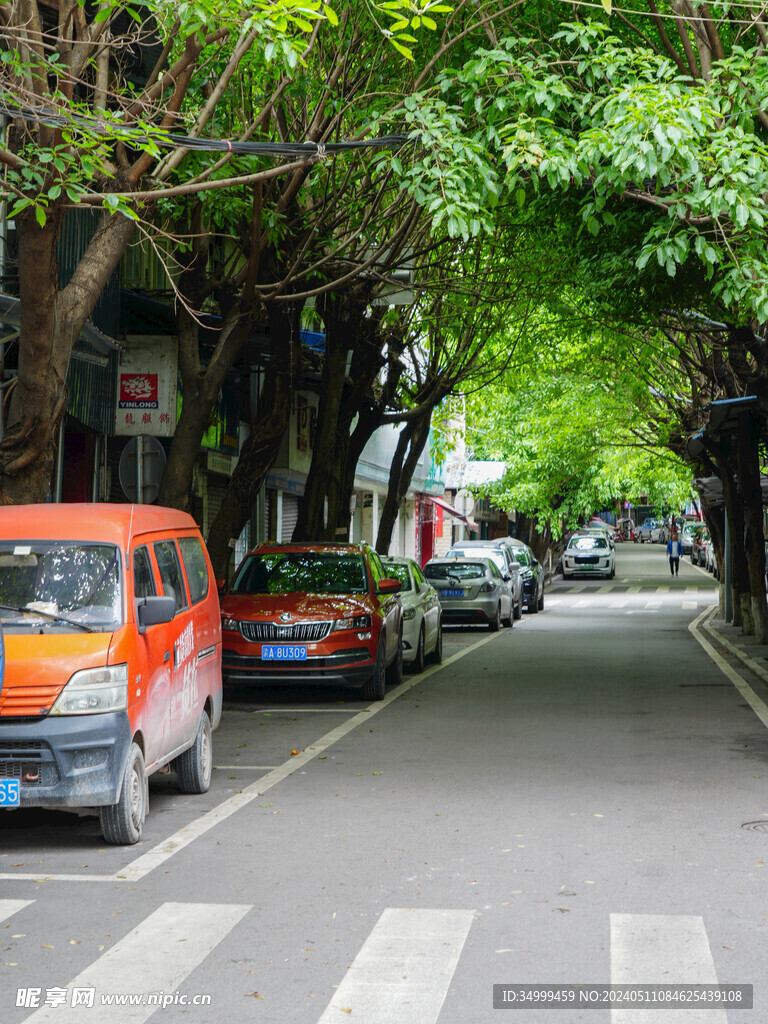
(151, 611)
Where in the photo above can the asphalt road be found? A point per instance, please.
(559, 803)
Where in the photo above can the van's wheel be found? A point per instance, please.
(375, 686)
(394, 673)
(121, 823)
(194, 766)
(417, 665)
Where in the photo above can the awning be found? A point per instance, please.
(9, 314)
(470, 523)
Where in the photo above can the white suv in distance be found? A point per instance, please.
(590, 556)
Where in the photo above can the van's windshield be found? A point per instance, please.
(59, 585)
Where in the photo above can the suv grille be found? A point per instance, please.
(308, 632)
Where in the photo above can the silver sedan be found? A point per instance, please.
(471, 590)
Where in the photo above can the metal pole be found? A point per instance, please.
(60, 463)
(140, 469)
(728, 571)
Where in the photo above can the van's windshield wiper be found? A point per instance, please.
(46, 615)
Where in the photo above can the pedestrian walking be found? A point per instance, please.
(675, 553)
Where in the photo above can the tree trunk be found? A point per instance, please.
(51, 321)
(754, 541)
(262, 445)
(735, 511)
(200, 387)
(410, 445)
(320, 505)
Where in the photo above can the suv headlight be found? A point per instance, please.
(355, 622)
(94, 691)
(409, 613)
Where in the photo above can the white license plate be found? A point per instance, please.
(10, 793)
(283, 652)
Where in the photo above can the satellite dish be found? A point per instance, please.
(141, 468)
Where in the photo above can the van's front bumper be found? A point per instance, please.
(68, 760)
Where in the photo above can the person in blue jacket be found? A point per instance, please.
(675, 553)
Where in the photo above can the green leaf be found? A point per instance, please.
(40, 216)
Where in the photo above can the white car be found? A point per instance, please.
(422, 616)
(659, 532)
(590, 556)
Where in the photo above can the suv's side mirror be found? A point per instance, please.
(389, 586)
(514, 566)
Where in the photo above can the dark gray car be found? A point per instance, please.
(503, 554)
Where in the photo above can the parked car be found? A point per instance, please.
(471, 590)
(690, 527)
(710, 563)
(504, 555)
(660, 532)
(113, 658)
(699, 544)
(532, 575)
(596, 530)
(590, 556)
(313, 614)
(422, 616)
(644, 530)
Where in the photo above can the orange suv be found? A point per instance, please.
(313, 613)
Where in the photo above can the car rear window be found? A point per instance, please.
(302, 572)
(494, 554)
(460, 570)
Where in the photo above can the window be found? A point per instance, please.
(377, 569)
(399, 571)
(302, 572)
(461, 570)
(143, 577)
(418, 576)
(170, 572)
(193, 556)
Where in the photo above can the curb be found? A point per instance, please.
(734, 649)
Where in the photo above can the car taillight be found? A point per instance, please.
(487, 588)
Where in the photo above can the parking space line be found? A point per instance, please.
(160, 853)
(403, 969)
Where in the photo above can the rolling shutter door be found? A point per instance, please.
(290, 516)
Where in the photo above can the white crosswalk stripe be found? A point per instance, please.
(154, 959)
(657, 949)
(403, 970)
(10, 907)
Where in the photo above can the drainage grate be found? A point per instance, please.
(756, 826)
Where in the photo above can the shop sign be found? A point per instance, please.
(146, 387)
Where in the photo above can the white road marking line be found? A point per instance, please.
(155, 957)
(404, 968)
(10, 907)
(617, 604)
(582, 603)
(643, 611)
(552, 601)
(746, 691)
(655, 949)
(690, 605)
(633, 590)
(575, 590)
(153, 858)
(607, 587)
(691, 590)
(662, 590)
(653, 604)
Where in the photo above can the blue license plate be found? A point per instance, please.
(453, 593)
(10, 794)
(283, 652)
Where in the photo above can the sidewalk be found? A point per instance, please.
(750, 653)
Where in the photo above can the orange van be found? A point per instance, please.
(113, 658)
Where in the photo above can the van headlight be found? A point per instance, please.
(94, 691)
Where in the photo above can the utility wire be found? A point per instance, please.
(45, 115)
